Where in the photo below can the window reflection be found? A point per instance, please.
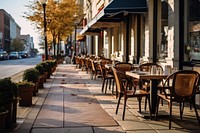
(164, 31)
(192, 47)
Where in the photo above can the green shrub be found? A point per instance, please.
(31, 75)
(24, 84)
(8, 91)
(46, 67)
(40, 69)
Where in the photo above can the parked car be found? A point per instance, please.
(4, 55)
(23, 54)
(14, 55)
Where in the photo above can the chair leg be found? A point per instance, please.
(113, 84)
(139, 100)
(120, 96)
(181, 107)
(109, 84)
(102, 89)
(150, 114)
(157, 107)
(194, 105)
(145, 104)
(124, 110)
(91, 75)
(106, 86)
(170, 115)
(95, 75)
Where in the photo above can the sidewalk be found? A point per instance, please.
(73, 103)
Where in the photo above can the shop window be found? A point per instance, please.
(192, 45)
(163, 47)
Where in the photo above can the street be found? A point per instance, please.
(12, 67)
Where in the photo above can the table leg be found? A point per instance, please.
(153, 95)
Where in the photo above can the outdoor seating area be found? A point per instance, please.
(86, 106)
(148, 83)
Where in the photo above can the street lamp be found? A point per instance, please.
(1, 37)
(75, 32)
(43, 3)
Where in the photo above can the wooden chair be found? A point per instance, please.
(182, 89)
(197, 69)
(88, 65)
(123, 67)
(95, 69)
(124, 88)
(145, 84)
(78, 62)
(107, 75)
(83, 64)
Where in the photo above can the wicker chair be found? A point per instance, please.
(124, 88)
(123, 67)
(107, 75)
(182, 89)
(145, 84)
(95, 69)
(78, 62)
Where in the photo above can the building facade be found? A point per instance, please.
(28, 42)
(5, 30)
(10, 30)
(158, 31)
(164, 31)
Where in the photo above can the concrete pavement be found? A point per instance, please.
(71, 102)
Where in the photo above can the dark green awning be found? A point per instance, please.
(114, 13)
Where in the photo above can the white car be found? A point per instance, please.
(14, 55)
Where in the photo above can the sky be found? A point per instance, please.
(16, 8)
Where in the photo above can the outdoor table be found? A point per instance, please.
(136, 66)
(153, 84)
(109, 66)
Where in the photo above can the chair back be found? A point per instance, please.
(184, 84)
(93, 65)
(87, 62)
(123, 66)
(118, 79)
(82, 61)
(78, 61)
(147, 67)
(106, 61)
(103, 69)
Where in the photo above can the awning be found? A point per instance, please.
(90, 31)
(130, 6)
(111, 15)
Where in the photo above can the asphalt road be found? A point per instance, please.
(10, 68)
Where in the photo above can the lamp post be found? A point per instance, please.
(43, 3)
(75, 32)
(1, 38)
(75, 39)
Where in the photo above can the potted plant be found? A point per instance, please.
(3, 115)
(8, 99)
(52, 64)
(47, 68)
(32, 75)
(25, 92)
(41, 71)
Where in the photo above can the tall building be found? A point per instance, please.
(5, 30)
(28, 42)
(9, 30)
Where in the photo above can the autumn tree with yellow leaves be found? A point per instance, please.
(61, 17)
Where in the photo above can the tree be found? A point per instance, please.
(17, 45)
(60, 18)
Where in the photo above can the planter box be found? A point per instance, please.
(25, 94)
(3, 116)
